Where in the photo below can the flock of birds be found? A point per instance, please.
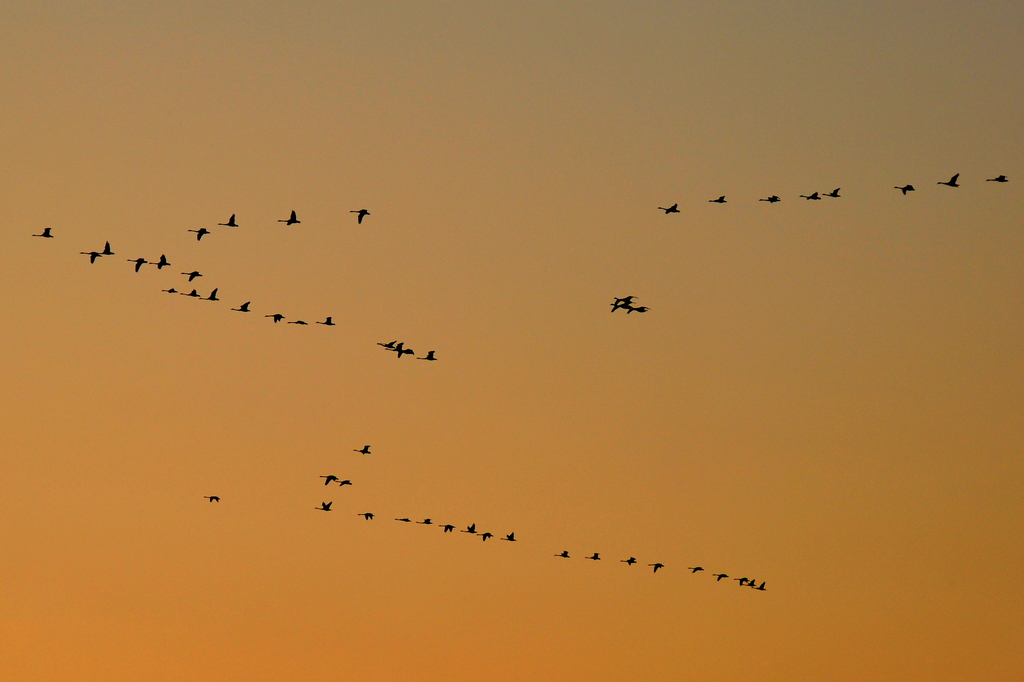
(625, 303)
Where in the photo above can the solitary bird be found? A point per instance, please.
(694, 569)
(231, 222)
(244, 308)
(329, 322)
(998, 178)
(211, 498)
(277, 317)
(329, 479)
(719, 200)
(93, 255)
(674, 208)
(324, 506)
(202, 231)
(364, 451)
(834, 193)
(905, 189)
(425, 522)
(595, 557)
(139, 262)
(951, 183)
(772, 199)
(362, 214)
(292, 220)
(46, 230)
(485, 536)
(106, 250)
(390, 345)
(429, 356)
(511, 537)
(193, 294)
(811, 197)
(172, 290)
(657, 566)
(718, 576)
(366, 515)
(192, 275)
(302, 322)
(162, 263)
(448, 528)
(631, 560)
(404, 520)
(563, 555)
(471, 529)
(212, 296)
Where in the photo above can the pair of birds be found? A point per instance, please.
(331, 478)
(952, 182)
(626, 303)
(277, 317)
(160, 264)
(596, 556)
(399, 348)
(294, 220)
(93, 255)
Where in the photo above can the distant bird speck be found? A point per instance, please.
(231, 222)
(812, 197)
(563, 555)
(277, 317)
(211, 498)
(139, 262)
(162, 263)
(366, 515)
(951, 182)
(200, 233)
(302, 322)
(772, 199)
(329, 479)
(631, 560)
(328, 322)
(594, 557)
(244, 308)
(998, 178)
(325, 506)
(212, 296)
(364, 451)
(46, 230)
(905, 189)
(657, 566)
(674, 208)
(834, 193)
(362, 214)
(292, 220)
(93, 255)
(428, 356)
(192, 275)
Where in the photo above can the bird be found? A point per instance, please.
(742, 581)
(193, 294)
(811, 197)
(302, 322)
(834, 193)
(694, 569)
(366, 515)
(93, 255)
(324, 506)
(162, 263)
(139, 262)
(425, 522)
(364, 451)
(389, 345)
(328, 321)
(172, 290)
(674, 208)
(657, 566)
(192, 275)
(212, 296)
(362, 214)
(771, 200)
(951, 183)
(404, 520)
(998, 178)
(106, 250)
(211, 498)
(401, 350)
(292, 220)
(345, 482)
(471, 529)
(244, 308)
(231, 222)
(622, 302)
(276, 316)
(719, 200)
(448, 528)
(511, 537)
(485, 536)
(428, 356)
(637, 309)
(200, 233)
(761, 586)
(329, 479)
(563, 555)
(905, 189)
(718, 576)
(631, 560)
(595, 557)
(46, 230)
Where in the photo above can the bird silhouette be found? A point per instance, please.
(277, 317)
(172, 290)
(834, 193)
(761, 587)
(292, 220)
(674, 208)
(998, 178)
(511, 537)
(428, 356)
(46, 230)
(694, 569)
(622, 302)
(244, 308)
(402, 350)
(364, 451)
(211, 498)
(328, 322)
(425, 522)
(231, 222)
(447, 528)
(404, 520)
(811, 197)
(139, 262)
(486, 536)
(302, 322)
(329, 479)
(771, 200)
(631, 560)
(362, 214)
(388, 346)
(718, 576)
(719, 200)
(742, 581)
(366, 515)
(345, 482)
(192, 275)
(636, 309)
(657, 566)
(106, 250)
(93, 255)
(595, 557)
(325, 506)
(200, 233)
(471, 529)
(563, 555)
(162, 263)
(212, 296)
(905, 189)
(951, 183)
(193, 294)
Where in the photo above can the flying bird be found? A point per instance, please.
(448, 528)
(718, 576)
(345, 482)
(93, 255)
(636, 309)
(402, 350)
(998, 178)
(292, 220)
(193, 294)
(46, 230)
(761, 587)
(231, 222)
(162, 263)
(329, 322)
(429, 356)
(595, 557)
(834, 193)
(364, 451)
(905, 189)
(742, 581)
(719, 200)
(366, 515)
(329, 479)
(622, 302)
(657, 566)
(951, 183)
(172, 290)
(404, 520)
(212, 296)
(389, 346)
(276, 316)
(302, 322)
(471, 529)
(362, 214)
(324, 506)
(485, 536)
(192, 275)
(244, 308)
(425, 522)
(211, 498)
(106, 250)
(511, 537)
(811, 197)
(139, 262)
(202, 231)
(563, 555)
(631, 560)
(771, 200)
(674, 208)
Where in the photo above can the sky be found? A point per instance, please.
(825, 396)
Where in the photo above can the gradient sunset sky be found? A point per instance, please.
(826, 396)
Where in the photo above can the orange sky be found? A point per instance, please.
(824, 395)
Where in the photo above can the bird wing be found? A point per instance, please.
(953, 179)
